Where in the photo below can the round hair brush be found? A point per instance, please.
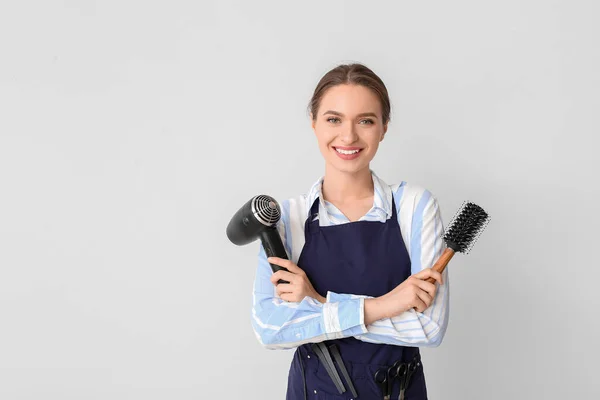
(462, 233)
(257, 219)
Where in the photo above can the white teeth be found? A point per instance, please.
(348, 152)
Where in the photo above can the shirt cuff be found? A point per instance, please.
(344, 318)
(333, 297)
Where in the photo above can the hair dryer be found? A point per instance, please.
(257, 219)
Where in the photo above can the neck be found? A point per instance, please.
(339, 186)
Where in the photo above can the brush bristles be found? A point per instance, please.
(465, 227)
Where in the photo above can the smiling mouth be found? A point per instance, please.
(348, 151)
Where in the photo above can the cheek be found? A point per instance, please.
(375, 144)
(324, 138)
(375, 139)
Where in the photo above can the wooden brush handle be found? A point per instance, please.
(441, 263)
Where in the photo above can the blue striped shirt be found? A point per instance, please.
(279, 324)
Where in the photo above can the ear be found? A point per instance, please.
(385, 128)
(312, 121)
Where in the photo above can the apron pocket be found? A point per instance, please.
(363, 378)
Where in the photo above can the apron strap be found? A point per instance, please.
(312, 225)
(394, 215)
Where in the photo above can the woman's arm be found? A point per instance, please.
(279, 324)
(413, 328)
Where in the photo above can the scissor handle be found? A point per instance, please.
(412, 367)
(382, 379)
(381, 376)
(401, 370)
(392, 374)
(395, 367)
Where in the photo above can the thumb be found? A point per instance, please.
(429, 273)
(293, 267)
(287, 264)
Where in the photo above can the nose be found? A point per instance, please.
(349, 135)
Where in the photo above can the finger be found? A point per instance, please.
(294, 268)
(283, 288)
(276, 276)
(419, 305)
(289, 297)
(429, 273)
(281, 274)
(426, 286)
(282, 262)
(289, 265)
(425, 298)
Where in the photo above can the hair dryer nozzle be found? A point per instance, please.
(246, 224)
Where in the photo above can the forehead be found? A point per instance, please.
(350, 99)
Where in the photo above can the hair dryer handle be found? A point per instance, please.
(271, 242)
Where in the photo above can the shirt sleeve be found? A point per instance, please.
(412, 328)
(279, 324)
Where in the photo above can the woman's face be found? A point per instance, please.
(349, 127)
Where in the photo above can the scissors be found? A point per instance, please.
(385, 378)
(404, 373)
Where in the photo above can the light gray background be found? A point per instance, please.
(130, 132)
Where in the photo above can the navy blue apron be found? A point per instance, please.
(361, 257)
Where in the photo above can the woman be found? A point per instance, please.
(360, 252)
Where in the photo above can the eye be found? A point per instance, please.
(330, 118)
(370, 121)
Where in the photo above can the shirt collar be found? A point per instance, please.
(382, 198)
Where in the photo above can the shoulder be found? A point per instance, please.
(412, 195)
(293, 210)
(417, 209)
(291, 225)
(294, 205)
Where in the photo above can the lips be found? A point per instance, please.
(347, 153)
(347, 150)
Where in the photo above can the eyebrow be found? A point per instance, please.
(367, 114)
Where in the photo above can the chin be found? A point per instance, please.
(348, 167)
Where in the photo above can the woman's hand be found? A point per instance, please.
(415, 292)
(298, 287)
